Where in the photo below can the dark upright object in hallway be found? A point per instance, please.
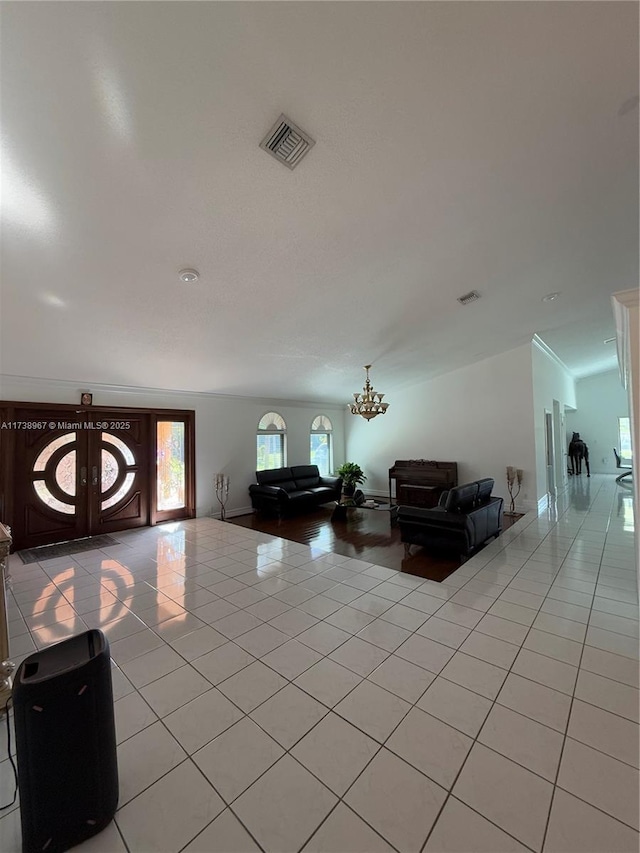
(578, 451)
(66, 743)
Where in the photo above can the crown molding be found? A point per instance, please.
(540, 344)
(96, 387)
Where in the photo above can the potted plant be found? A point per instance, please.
(351, 474)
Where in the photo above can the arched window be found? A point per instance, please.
(321, 445)
(270, 442)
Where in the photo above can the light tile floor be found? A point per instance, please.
(271, 696)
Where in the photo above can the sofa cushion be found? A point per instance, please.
(298, 494)
(420, 513)
(461, 498)
(274, 476)
(289, 486)
(307, 482)
(301, 472)
(485, 487)
(322, 491)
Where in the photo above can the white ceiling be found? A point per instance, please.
(458, 146)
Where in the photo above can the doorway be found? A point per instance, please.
(560, 460)
(549, 453)
(71, 473)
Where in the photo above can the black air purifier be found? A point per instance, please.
(65, 743)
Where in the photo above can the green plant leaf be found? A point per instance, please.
(351, 474)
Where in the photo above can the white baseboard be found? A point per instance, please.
(230, 513)
(377, 493)
(243, 510)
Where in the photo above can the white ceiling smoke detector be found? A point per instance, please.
(550, 297)
(287, 142)
(189, 276)
(472, 296)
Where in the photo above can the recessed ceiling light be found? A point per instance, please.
(52, 299)
(189, 276)
(550, 297)
(609, 341)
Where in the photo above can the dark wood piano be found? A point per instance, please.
(420, 482)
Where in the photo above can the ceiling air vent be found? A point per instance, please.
(469, 297)
(287, 142)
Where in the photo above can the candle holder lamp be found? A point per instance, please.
(222, 492)
(514, 478)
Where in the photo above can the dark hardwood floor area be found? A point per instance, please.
(365, 535)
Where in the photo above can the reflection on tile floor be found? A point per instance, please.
(271, 696)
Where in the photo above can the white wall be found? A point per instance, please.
(480, 416)
(601, 400)
(551, 381)
(225, 428)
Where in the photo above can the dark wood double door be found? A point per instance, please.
(77, 473)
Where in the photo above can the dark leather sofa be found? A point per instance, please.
(284, 490)
(466, 517)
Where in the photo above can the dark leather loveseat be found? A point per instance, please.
(283, 490)
(465, 518)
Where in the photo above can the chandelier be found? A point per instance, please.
(369, 403)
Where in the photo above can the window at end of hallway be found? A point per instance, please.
(624, 441)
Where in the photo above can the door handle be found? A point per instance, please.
(83, 475)
(94, 475)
